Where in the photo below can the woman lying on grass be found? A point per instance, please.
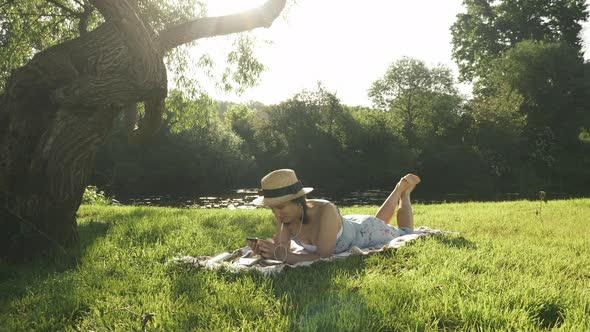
(317, 225)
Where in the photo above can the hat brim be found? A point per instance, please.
(262, 201)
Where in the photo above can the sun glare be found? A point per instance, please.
(224, 7)
(342, 44)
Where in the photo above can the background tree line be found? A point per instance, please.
(482, 147)
(524, 129)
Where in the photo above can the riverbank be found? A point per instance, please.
(242, 198)
(520, 265)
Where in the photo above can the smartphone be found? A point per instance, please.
(253, 239)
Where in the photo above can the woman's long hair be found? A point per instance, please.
(302, 200)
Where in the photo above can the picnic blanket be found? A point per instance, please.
(243, 259)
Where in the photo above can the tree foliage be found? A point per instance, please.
(193, 151)
(416, 95)
(488, 28)
(537, 95)
(547, 85)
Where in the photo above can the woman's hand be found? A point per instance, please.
(270, 248)
(262, 247)
(266, 248)
(254, 246)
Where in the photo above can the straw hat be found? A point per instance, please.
(280, 186)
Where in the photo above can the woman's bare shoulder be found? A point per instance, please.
(319, 203)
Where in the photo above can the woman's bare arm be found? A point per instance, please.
(328, 227)
(325, 239)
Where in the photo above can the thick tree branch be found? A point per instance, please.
(147, 47)
(143, 46)
(262, 16)
(130, 118)
(89, 92)
(149, 125)
(111, 10)
(137, 34)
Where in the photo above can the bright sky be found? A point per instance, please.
(345, 44)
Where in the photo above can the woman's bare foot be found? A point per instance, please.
(402, 188)
(408, 183)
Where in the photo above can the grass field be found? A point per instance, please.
(516, 266)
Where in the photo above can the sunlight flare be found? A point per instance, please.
(225, 7)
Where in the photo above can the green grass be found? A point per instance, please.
(515, 266)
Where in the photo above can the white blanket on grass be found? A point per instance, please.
(240, 260)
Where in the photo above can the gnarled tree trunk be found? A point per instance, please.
(59, 107)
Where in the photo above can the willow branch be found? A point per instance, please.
(84, 17)
(37, 14)
(8, 2)
(262, 16)
(64, 8)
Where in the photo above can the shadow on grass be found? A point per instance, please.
(312, 296)
(94, 229)
(91, 231)
(23, 272)
(454, 241)
(547, 314)
(46, 291)
(24, 284)
(18, 276)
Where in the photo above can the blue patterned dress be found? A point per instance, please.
(366, 231)
(362, 231)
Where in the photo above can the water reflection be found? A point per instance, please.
(242, 198)
(234, 199)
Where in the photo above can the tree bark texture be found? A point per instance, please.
(58, 108)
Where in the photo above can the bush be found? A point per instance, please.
(94, 197)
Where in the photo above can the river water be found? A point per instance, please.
(242, 198)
